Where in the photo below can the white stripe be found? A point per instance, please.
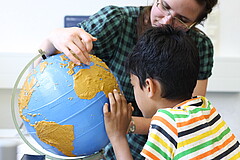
(208, 148)
(192, 115)
(206, 139)
(197, 123)
(162, 125)
(228, 146)
(202, 131)
(236, 151)
(162, 147)
(153, 152)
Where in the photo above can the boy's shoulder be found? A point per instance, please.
(188, 109)
(193, 129)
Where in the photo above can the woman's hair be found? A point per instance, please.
(144, 18)
(169, 56)
(209, 4)
(143, 21)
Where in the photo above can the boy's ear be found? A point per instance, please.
(150, 87)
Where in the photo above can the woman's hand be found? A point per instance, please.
(118, 118)
(74, 42)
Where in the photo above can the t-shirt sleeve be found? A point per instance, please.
(162, 137)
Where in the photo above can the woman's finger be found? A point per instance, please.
(88, 40)
(68, 53)
(78, 53)
(79, 48)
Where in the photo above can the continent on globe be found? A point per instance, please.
(61, 105)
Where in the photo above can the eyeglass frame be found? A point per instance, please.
(169, 13)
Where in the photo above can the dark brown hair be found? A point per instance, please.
(209, 4)
(143, 22)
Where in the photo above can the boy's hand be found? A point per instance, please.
(118, 118)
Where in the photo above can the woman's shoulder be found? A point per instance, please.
(110, 17)
(127, 10)
(198, 35)
(114, 14)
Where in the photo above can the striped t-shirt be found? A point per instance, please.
(190, 130)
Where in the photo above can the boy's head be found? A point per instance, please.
(168, 56)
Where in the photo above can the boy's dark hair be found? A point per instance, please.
(169, 56)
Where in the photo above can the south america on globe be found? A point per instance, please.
(61, 105)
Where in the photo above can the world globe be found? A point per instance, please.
(61, 103)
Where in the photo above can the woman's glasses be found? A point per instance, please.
(167, 12)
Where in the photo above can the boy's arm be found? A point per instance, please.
(121, 148)
(117, 120)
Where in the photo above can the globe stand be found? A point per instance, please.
(23, 134)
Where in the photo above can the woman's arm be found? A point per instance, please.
(201, 88)
(142, 125)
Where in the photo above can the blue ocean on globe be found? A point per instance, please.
(50, 98)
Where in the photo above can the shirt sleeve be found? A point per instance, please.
(162, 137)
(205, 49)
(105, 25)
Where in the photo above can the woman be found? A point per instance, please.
(111, 34)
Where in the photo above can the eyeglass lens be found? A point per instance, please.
(166, 11)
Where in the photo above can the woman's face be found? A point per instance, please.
(179, 13)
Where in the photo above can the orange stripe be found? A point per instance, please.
(193, 120)
(173, 129)
(149, 154)
(230, 139)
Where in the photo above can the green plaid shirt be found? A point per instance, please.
(116, 30)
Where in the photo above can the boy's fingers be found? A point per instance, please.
(130, 109)
(117, 96)
(105, 108)
(123, 99)
(112, 103)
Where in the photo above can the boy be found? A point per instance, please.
(164, 66)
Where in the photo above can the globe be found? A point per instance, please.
(61, 103)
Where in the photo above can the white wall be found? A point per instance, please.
(228, 105)
(25, 23)
(5, 109)
(229, 30)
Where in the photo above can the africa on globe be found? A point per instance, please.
(61, 105)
